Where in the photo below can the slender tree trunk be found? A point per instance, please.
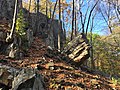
(91, 43)
(29, 12)
(75, 23)
(91, 49)
(46, 7)
(106, 21)
(59, 31)
(29, 5)
(83, 31)
(20, 3)
(72, 33)
(90, 15)
(47, 13)
(118, 10)
(54, 9)
(38, 6)
(13, 24)
(109, 22)
(64, 31)
(37, 17)
(50, 10)
(35, 7)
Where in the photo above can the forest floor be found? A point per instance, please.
(57, 74)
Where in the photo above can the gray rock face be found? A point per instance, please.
(29, 35)
(49, 32)
(3, 35)
(37, 27)
(55, 26)
(6, 8)
(25, 79)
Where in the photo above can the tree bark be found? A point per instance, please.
(54, 10)
(75, 23)
(10, 37)
(72, 33)
(37, 18)
(59, 31)
(29, 5)
(91, 44)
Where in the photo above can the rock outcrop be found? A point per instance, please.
(7, 8)
(44, 26)
(20, 79)
(4, 30)
(12, 48)
(78, 49)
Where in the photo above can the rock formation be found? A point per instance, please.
(17, 79)
(45, 26)
(78, 49)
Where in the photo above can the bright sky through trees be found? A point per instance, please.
(99, 25)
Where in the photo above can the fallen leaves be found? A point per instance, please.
(57, 74)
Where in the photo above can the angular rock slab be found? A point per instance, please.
(24, 79)
(78, 49)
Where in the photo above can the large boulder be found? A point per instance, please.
(78, 49)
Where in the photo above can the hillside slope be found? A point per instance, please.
(57, 73)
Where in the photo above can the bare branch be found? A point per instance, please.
(90, 16)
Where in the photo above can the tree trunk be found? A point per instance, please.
(37, 18)
(91, 49)
(88, 22)
(75, 23)
(29, 5)
(59, 31)
(47, 13)
(50, 10)
(64, 30)
(54, 9)
(72, 33)
(10, 37)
